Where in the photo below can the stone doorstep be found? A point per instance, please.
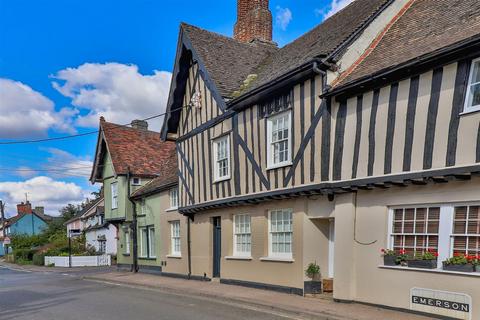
(320, 307)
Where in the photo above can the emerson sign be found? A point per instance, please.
(450, 304)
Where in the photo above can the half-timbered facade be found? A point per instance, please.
(360, 135)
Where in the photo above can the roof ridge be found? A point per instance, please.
(249, 44)
(123, 126)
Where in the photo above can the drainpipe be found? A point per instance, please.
(321, 72)
(133, 226)
(189, 250)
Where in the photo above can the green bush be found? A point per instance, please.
(23, 255)
(38, 259)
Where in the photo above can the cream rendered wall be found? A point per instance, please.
(310, 244)
(177, 265)
(358, 275)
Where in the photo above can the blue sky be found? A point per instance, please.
(64, 63)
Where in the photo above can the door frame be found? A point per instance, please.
(331, 248)
(216, 246)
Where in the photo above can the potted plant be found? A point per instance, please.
(460, 263)
(476, 263)
(402, 258)
(389, 257)
(425, 260)
(315, 285)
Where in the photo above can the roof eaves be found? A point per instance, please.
(448, 54)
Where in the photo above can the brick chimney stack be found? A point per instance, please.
(24, 208)
(254, 21)
(140, 125)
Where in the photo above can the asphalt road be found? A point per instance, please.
(66, 296)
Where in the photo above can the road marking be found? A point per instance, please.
(240, 305)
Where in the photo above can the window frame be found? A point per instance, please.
(114, 194)
(148, 242)
(269, 137)
(445, 229)
(171, 191)
(467, 108)
(127, 243)
(174, 237)
(143, 207)
(141, 240)
(466, 234)
(237, 253)
(151, 242)
(279, 255)
(139, 183)
(215, 144)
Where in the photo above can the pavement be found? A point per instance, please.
(57, 293)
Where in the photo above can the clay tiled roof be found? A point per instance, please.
(140, 150)
(168, 177)
(320, 41)
(229, 62)
(424, 28)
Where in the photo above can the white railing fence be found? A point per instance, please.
(80, 261)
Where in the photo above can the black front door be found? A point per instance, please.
(217, 246)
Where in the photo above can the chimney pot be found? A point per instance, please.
(140, 125)
(254, 21)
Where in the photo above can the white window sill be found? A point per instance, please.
(171, 209)
(472, 110)
(277, 259)
(238, 258)
(174, 256)
(279, 165)
(221, 179)
(441, 271)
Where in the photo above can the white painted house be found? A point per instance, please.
(99, 234)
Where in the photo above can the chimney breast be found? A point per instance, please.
(24, 208)
(140, 125)
(254, 21)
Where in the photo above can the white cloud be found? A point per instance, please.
(25, 112)
(67, 164)
(41, 191)
(283, 17)
(119, 92)
(334, 7)
(26, 172)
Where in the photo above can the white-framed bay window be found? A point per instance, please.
(175, 241)
(114, 191)
(279, 143)
(448, 229)
(242, 235)
(173, 194)
(221, 153)
(280, 233)
(472, 100)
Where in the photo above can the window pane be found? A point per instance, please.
(415, 229)
(151, 238)
(476, 72)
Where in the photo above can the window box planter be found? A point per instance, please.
(459, 267)
(422, 264)
(390, 260)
